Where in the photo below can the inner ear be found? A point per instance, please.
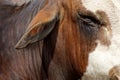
(41, 25)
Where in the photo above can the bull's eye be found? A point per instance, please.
(88, 24)
(90, 20)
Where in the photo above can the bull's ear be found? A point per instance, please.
(41, 25)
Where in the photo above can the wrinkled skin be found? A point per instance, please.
(69, 32)
(63, 33)
(18, 64)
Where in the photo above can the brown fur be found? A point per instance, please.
(65, 50)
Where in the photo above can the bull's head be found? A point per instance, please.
(81, 28)
(44, 22)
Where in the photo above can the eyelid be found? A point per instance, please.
(88, 18)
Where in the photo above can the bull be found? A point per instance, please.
(74, 38)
